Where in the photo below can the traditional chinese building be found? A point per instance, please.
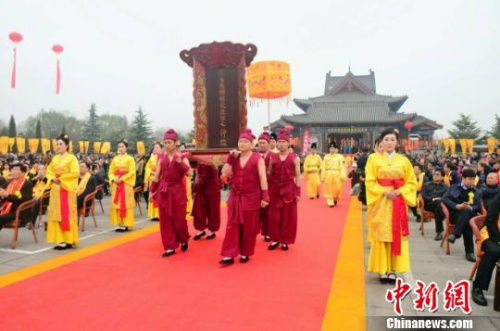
(353, 114)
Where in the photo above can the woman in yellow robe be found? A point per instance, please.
(312, 170)
(390, 187)
(153, 211)
(333, 173)
(62, 177)
(122, 178)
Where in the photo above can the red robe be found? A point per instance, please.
(264, 212)
(171, 198)
(243, 208)
(283, 206)
(206, 205)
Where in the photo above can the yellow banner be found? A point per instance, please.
(453, 146)
(54, 144)
(446, 144)
(21, 145)
(4, 145)
(97, 147)
(33, 144)
(106, 147)
(470, 145)
(463, 145)
(87, 144)
(12, 141)
(70, 150)
(45, 145)
(492, 142)
(81, 146)
(141, 149)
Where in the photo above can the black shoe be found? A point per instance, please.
(273, 246)
(168, 253)
(284, 247)
(478, 297)
(61, 248)
(391, 278)
(125, 229)
(452, 238)
(211, 236)
(226, 262)
(317, 197)
(438, 236)
(244, 259)
(471, 257)
(418, 219)
(184, 247)
(154, 219)
(199, 235)
(267, 239)
(382, 279)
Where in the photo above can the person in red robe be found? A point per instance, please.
(206, 205)
(285, 194)
(170, 193)
(248, 194)
(264, 149)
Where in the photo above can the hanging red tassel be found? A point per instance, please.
(58, 49)
(16, 38)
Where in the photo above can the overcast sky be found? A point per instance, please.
(121, 54)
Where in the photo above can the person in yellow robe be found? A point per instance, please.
(62, 177)
(122, 178)
(153, 211)
(391, 187)
(312, 172)
(333, 174)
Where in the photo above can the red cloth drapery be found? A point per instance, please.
(120, 194)
(399, 215)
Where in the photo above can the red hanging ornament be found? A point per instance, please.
(58, 49)
(16, 38)
(408, 125)
(288, 127)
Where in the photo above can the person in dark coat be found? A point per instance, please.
(18, 191)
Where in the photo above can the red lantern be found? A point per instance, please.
(408, 125)
(288, 127)
(58, 49)
(16, 38)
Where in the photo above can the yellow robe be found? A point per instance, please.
(39, 189)
(312, 169)
(153, 212)
(189, 205)
(333, 173)
(66, 167)
(379, 212)
(126, 163)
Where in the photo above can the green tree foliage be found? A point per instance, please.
(495, 129)
(91, 129)
(53, 123)
(116, 128)
(464, 127)
(13, 131)
(140, 130)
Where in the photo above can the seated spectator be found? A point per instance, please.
(490, 189)
(3, 182)
(6, 171)
(362, 192)
(32, 172)
(86, 184)
(429, 173)
(39, 182)
(432, 194)
(354, 175)
(464, 202)
(18, 191)
(451, 175)
(96, 173)
(490, 236)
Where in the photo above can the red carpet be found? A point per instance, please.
(132, 287)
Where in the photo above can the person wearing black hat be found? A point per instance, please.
(273, 142)
(464, 202)
(312, 169)
(333, 174)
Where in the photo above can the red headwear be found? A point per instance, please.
(284, 135)
(247, 134)
(265, 136)
(170, 134)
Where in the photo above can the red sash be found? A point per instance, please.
(14, 185)
(63, 201)
(120, 194)
(399, 216)
(155, 204)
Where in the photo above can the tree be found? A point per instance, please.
(116, 128)
(39, 135)
(495, 129)
(12, 131)
(141, 129)
(53, 123)
(91, 130)
(464, 127)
